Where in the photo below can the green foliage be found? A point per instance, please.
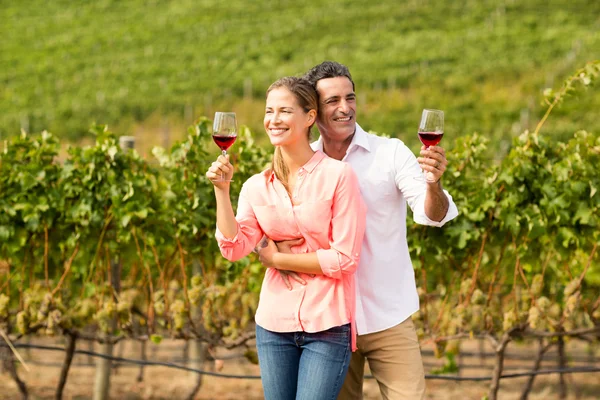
(66, 223)
(30, 196)
(65, 65)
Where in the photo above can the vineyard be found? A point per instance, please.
(105, 245)
(65, 65)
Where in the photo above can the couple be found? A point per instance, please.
(339, 285)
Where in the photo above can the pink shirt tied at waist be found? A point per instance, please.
(328, 212)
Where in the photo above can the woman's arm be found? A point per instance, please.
(220, 173)
(226, 222)
(236, 235)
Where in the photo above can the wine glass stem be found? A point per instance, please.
(224, 152)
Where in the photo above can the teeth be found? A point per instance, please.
(278, 130)
(343, 119)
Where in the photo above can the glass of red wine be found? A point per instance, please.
(431, 131)
(224, 132)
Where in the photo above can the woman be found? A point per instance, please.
(304, 336)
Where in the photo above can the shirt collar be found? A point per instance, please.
(314, 161)
(359, 139)
(317, 157)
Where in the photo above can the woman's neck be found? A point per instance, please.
(296, 156)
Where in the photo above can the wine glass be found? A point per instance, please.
(431, 131)
(224, 133)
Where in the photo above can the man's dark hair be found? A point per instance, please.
(327, 69)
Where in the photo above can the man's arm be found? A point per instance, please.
(436, 202)
(433, 160)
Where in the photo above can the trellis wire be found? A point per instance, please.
(236, 376)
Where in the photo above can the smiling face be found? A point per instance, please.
(286, 122)
(337, 108)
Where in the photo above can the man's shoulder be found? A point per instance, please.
(333, 164)
(377, 141)
(377, 138)
(316, 145)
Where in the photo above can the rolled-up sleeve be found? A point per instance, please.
(248, 231)
(347, 228)
(420, 217)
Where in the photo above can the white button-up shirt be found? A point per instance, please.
(386, 292)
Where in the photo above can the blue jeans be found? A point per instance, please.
(302, 365)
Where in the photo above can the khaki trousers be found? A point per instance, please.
(395, 361)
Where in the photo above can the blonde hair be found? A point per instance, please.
(308, 100)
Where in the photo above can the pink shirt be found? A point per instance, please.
(328, 212)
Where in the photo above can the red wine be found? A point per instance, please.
(224, 142)
(430, 138)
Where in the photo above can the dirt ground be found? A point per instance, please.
(164, 383)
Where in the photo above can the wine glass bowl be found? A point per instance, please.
(431, 128)
(224, 132)
(430, 138)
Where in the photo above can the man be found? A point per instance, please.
(390, 177)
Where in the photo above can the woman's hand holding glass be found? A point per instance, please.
(224, 132)
(220, 172)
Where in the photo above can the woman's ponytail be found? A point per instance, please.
(280, 168)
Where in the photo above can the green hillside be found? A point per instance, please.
(65, 64)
